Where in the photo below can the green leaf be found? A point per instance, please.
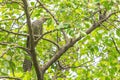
(1, 0)
(32, 3)
(97, 0)
(94, 54)
(15, 5)
(107, 4)
(118, 32)
(8, 5)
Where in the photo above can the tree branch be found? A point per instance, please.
(13, 32)
(48, 12)
(73, 41)
(31, 37)
(64, 34)
(3, 53)
(40, 37)
(115, 45)
(81, 65)
(14, 46)
(52, 42)
(97, 24)
(8, 77)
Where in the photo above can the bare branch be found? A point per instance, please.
(4, 52)
(7, 19)
(31, 37)
(115, 45)
(13, 32)
(11, 19)
(64, 34)
(52, 42)
(40, 37)
(14, 46)
(81, 65)
(28, 22)
(97, 24)
(10, 2)
(58, 54)
(112, 40)
(8, 77)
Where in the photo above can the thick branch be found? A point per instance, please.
(97, 24)
(28, 22)
(72, 42)
(31, 37)
(59, 54)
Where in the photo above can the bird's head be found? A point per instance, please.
(43, 19)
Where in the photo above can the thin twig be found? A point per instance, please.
(52, 42)
(64, 34)
(10, 2)
(8, 77)
(48, 11)
(81, 65)
(50, 32)
(13, 32)
(98, 23)
(115, 45)
(14, 46)
(3, 53)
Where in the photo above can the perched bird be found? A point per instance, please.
(37, 28)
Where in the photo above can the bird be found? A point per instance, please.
(37, 28)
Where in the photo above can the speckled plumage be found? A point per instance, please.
(37, 27)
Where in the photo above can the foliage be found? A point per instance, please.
(95, 56)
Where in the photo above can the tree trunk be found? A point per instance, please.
(41, 76)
